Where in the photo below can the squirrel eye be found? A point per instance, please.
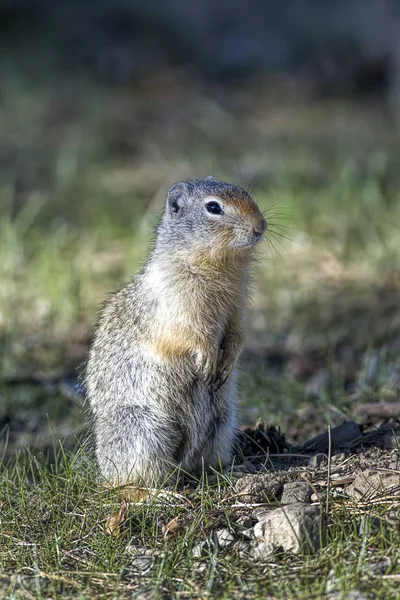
(214, 208)
(175, 206)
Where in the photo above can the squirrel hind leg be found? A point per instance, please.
(135, 445)
(219, 451)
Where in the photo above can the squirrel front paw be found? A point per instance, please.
(206, 364)
(226, 362)
(223, 371)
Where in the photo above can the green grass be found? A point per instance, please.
(83, 175)
(54, 543)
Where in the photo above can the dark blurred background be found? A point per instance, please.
(104, 104)
(339, 46)
(119, 79)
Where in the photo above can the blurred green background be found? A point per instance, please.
(102, 107)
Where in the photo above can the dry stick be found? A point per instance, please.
(328, 489)
(312, 486)
(37, 378)
(285, 455)
(384, 410)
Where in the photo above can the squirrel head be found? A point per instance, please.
(211, 215)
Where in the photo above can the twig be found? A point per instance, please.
(328, 489)
(312, 486)
(37, 378)
(255, 504)
(385, 410)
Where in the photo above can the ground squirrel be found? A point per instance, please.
(160, 376)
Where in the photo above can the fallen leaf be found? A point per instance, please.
(114, 521)
(172, 529)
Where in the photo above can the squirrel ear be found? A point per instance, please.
(177, 195)
(210, 178)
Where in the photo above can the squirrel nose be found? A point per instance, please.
(260, 229)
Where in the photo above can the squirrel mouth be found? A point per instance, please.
(258, 237)
(248, 242)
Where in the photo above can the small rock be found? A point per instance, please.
(248, 533)
(351, 595)
(370, 483)
(200, 550)
(225, 538)
(261, 487)
(245, 522)
(141, 564)
(395, 464)
(318, 460)
(259, 512)
(295, 528)
(318, 497)
(241, 548)
(296, 491)
(136, 550)
(356, 595)
(331, 583)
(338, 458)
